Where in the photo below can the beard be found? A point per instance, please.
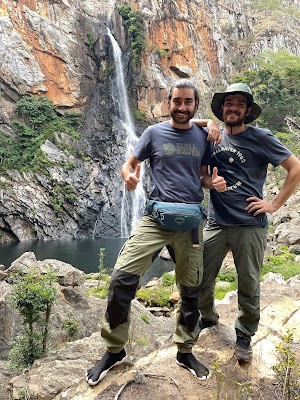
(237, 121)
(182, 117)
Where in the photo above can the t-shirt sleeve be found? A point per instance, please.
(274, 151)
(142, 149)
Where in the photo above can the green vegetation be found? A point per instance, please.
(283, 264)
(71, 326)
(133, 21)
(286, 385)
(139, 115)
(37, 122)
(91, 40)
(101, 269)
(101, 290)
(275, 82)
(161, 52)
(145, 318)
(221, 291)
(154, 296)
(168, 279)
(287, 370)
(33, 294)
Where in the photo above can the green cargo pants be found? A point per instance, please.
(133, 261)
(247, 244)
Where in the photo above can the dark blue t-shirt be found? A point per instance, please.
(175, 157)
(243, 161)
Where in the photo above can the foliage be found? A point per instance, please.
(145, 318)
(275, 82)
(134, 23)
(71, 326)
(25, 350)
(168, 279)
(154, 296)
(220, 376)
(287, 370)
(101, 269)
(36, 111)
(227, 276)
(161, 52)
(91, 40)
(37, 122)
(33, 295)
(288, 139)
(282, 264)
(100, 292)
(139, 115)
(221, 291)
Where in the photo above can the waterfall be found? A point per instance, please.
(133, 202)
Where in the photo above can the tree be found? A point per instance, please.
(33, 295)
(275, 83)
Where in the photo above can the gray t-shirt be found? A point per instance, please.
(175, 157)
(243, 161)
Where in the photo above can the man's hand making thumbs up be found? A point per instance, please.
(131, 173)
(218, 182)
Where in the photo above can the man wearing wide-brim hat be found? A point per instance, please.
(237, 218)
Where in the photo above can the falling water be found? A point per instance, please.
(133, 202)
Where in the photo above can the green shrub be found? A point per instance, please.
(168, 279)
(154, 297)
(36, 111)
(227, 276)
(280, 266)
(37, 122)
(71, 326)
(220, 292)
(133, 20)
(100, 292)
(32, 294)
(287, 370)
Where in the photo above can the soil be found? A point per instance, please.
(164, 379)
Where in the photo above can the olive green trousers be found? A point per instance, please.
(247, 244)
(133, 261)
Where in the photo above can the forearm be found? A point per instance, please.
(290, 184)
(201, 122)
(206, 182)
(292, 166)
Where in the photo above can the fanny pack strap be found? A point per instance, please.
(195, 237)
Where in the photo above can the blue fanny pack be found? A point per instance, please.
(176, 216)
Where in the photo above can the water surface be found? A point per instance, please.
(82, 254)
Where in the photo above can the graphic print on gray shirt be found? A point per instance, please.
(175, 158)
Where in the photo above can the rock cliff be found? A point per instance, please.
(60, 49)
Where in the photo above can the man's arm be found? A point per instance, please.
(258, 206)
(212, 182)
(214, 133)
(130, 172)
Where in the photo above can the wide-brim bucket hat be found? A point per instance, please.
(242, 88)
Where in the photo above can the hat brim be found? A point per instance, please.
(218, 100)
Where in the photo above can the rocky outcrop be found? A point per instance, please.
(151, 353)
